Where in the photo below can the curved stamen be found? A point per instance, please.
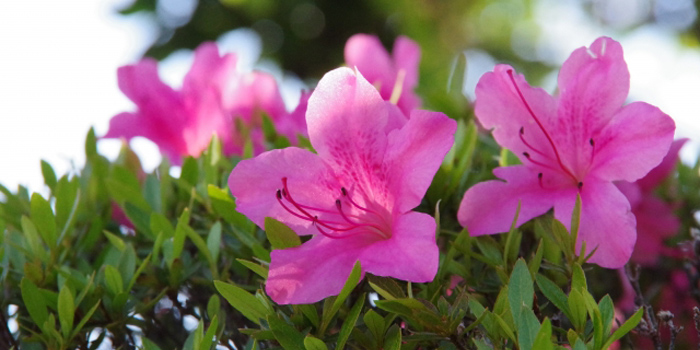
(527, 155)
(546, 134)
(279, 199)
(522, 138)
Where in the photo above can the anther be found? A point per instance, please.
(279, 194)
(539, 176)
(344, 191)
(580, 185)
(526, 154)
(522, 130)
(591, 142)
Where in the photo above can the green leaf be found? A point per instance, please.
(159, 223)
(375, 324)
(350, 321)
(575, 221)
(208, 338)
(190, 171)
(279, 235)
(578, 279)
(577, 307)
(49, 175)
(33, 239)
(286, 335)
(43, 218)
(309, 310)
(151, 193)
(213, 306)
(625, 328)
(113, 280)
(393, 338)
(607, 312)
(386, 287)
(554, 294)
(520, 297)
(311, 343)
(241, 300)
(257, 268)
(115, 240)
(66, 311)
(34, 301)
(350, 284)
(180, 234)
(214, 241)
(91, 144)
(543, 340)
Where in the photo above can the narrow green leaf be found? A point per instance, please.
(607, 311)
(66, 311)
(578, 310)
(180, 234)
(279, 235)
(311, 343)
(350, 321)
(543, 340)
(554, 294)
(386, 287)
(350, 284)
(625, 328)
(136, 275)
(214, 241)
(44, 219)
(85, 319)
(511, 247)
(575, 222)
(578, 279)
(208, 338)
(286, 335)
(189, 171)
(113, 280)
(49, 175)
(33, 239)
(393, 338)
(34, 301)
(213, 306)
(535, 263)
(241, 300)
(375, 324)
(90, 144)
(257, 268)
(115, 240)
(159, 223)
(203, 249)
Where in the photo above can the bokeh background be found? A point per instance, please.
(58, 59)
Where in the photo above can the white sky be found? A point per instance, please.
(59, 61)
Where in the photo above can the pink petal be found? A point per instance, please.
(489, 207)
(130, 125)
(141, 84)
(656, 221)
(607, 222)
(500, 107)
(406, 54)
(657, 175)
(346, 118)
(593, 84)
(294, 123)
(411, 254)
(415, 153)
(634, 142)
(255, 182)
(313, 271)
(367, 54)
(209, 70)
(255, 93)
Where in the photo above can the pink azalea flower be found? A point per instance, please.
(391, 75)
(576, 143)
(180, 122)
(656, 220)
(354, 195)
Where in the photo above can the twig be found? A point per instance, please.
(648, 326)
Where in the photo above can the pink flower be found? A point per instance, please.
(253, 95)
(180, 122)
(656, 220)
(391, 75)
(576, 143)
(354, 196)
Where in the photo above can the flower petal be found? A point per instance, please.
(414, 154)
(500, 107)
(662, 171)
(406, 54)
(129, 125)
(367, 54)
(141, 84)
(209, 70)
(255, 93)
(593, 84)
(255, 182)
(313, 271)
(656, 221)
(634, 142)
(411, 254)
(489, 207)
(606, 222)
(347, 118)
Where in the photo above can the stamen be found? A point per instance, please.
(527, 155)
(398, 87)
(345, 194)
(591, 142)
(580, 185)
(546, 134)
(539, 179)
(522, 138)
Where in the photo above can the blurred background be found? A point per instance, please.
(59, 59)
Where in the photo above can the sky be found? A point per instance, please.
(58, 75)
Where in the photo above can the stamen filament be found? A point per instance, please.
(546, 134)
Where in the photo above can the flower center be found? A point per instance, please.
(545, 160)
(342, 222)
